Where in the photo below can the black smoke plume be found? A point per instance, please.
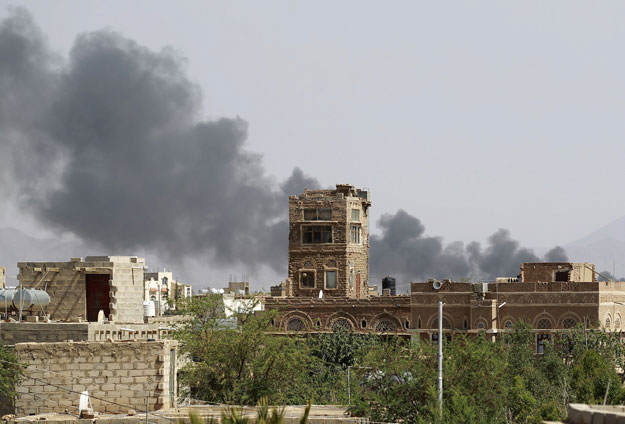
(110, 145)
(403, 249)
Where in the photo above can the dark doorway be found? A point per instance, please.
(562, 275)
(97, 295)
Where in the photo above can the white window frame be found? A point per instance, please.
(325, 278)
(314, 273)
(358, 229)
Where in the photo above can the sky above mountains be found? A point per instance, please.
(472, 117)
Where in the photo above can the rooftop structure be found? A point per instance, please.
(533, 272)
(329, 243)
(80, 288)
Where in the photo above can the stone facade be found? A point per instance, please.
(79, 288)
(329, 243)
(377, 314)
(122, 372)
(535, 272)
(492, 306)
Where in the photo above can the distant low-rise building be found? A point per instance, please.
(161, 288)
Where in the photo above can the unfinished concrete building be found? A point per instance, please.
(80, 289)
(329, 243)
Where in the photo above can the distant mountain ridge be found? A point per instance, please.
(604, 247)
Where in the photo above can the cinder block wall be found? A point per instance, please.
(121, 372)
(65, 282)
(25, 332)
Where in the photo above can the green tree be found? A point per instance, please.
(243, 364)
(10, 375)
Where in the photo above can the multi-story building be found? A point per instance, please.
(328, 275)
(161, 288)
(329, 243)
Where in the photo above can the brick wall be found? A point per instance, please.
(121, 372)
(464, 309)
(376, 314)
(546, 271)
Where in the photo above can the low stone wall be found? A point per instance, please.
(578, 413)
(118, 375)
(27, 332)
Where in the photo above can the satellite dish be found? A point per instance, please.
(320, 294)
(437, 285)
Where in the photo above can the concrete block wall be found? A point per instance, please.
(65, 282)
(127, 291)
(121, 372)
(25, 332)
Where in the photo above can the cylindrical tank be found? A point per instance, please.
(30, 298)
(6, 298)
(149, 310)
(388, 282)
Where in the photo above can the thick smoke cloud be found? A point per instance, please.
(403, 249)
(110, 146)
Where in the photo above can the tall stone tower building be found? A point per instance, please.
(329, 243)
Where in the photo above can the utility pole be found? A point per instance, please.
(349, 386)
(440, 359)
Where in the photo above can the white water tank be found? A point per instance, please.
(149, 310)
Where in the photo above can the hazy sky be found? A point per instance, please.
(472, 116)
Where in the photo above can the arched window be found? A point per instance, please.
(508, 324)
(385, 326)
(341, 323)
(569, 323)
(544, 323)
(608, 322)
(164, 281)
(295, 324)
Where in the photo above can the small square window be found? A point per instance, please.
(356, 215)
(330, 279)
(307, 279)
